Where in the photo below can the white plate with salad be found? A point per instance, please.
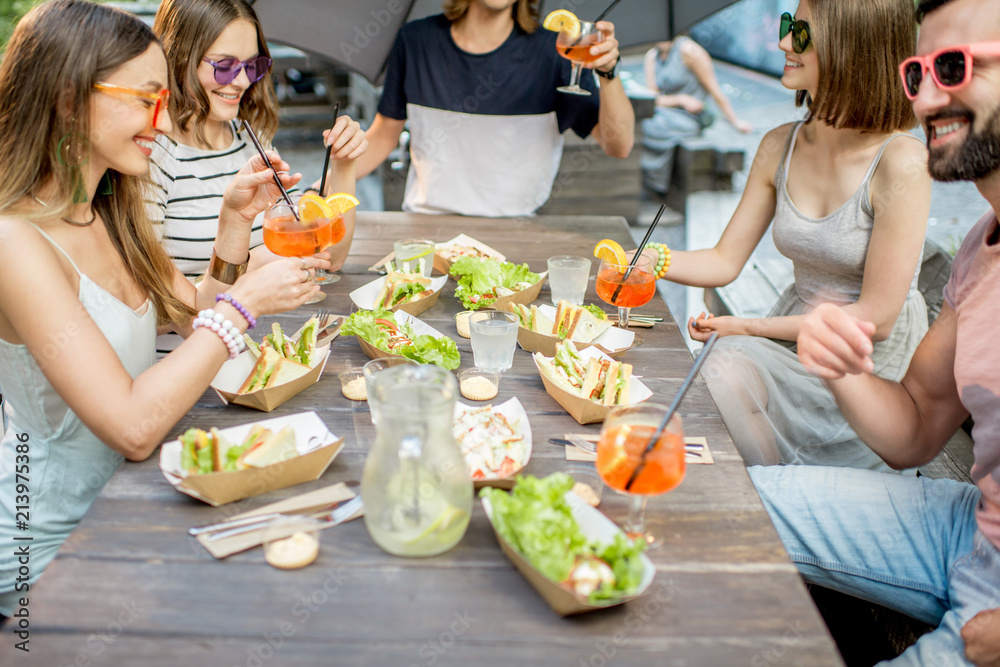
(495, 441)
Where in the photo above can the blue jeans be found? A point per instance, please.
(908, 543)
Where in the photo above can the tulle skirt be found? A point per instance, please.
(779, 413)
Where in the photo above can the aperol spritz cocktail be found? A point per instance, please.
(313, 230)
(627, 465)
(575, 46)
(619, 286)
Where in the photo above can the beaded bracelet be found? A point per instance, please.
(663, 262)
(218, 323)
(251, 320)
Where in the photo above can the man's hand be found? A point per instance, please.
(833, 344)
(982, 639)
(607, 50)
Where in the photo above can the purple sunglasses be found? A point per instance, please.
(227, 69)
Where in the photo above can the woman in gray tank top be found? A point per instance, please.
(848, 193)
(681, 74)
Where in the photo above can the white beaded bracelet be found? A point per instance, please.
(218, 323)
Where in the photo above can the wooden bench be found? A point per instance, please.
(702, 163)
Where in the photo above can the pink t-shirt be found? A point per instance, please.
(974, 292)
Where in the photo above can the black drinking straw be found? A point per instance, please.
(638, 253)
(673, 406)
(607, 10)
(260, 149)
(326, 160)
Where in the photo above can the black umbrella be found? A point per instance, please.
(358, 34)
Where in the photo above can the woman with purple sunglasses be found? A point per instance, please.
(220, 75)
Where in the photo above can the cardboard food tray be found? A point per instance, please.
(583, 410)
(612, 342)
(419, 327)
(364, 296)
(596, 527)
(317, 446)
(234, 373)
(443, 265)
(525, 296)
(518, 418)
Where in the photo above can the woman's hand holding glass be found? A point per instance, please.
(278, 286)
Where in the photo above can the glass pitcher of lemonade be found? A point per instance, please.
(416, 488)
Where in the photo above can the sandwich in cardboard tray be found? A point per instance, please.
(279, 359)
(400, 288)
(207, 451)
(602, 381)
(576, 323)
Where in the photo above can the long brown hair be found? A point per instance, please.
(187, 28)
(56, 54)
(525, 12)
(859, 44)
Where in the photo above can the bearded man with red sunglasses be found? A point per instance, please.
(928, 548)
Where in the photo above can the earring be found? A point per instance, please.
(73, 152)
(105, 187)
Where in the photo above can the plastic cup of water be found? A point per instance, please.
(494, 339)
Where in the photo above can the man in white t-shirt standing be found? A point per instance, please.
(477, 85)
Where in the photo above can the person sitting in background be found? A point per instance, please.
(929, 548)
(849, 195)
(681, 74)
(84, 282)
(478, 88)
(220, 67)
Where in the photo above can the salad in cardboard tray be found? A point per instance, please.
(585, 561)
(482, 281)
(393, 333)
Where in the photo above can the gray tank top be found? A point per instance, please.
(828, 254)
(674, 78)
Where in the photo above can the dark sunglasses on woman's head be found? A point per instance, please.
(227, 69)
(950, 67)
(801, 37)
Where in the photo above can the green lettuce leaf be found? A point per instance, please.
(537, 521)
(478, 277)
(424, 349)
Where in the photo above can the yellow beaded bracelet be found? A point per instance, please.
(663, 262)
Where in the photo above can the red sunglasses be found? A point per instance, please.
(950, 67)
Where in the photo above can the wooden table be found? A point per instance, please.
(130, 587)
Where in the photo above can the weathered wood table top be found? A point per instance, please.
(130, 587)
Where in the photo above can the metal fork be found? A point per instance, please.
(323, 315)
(591, 447)
(330, 518)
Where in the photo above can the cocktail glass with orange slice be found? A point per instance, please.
(573, 43)
(623, 455)
(340, 202)
(318, 226)
(621, 284)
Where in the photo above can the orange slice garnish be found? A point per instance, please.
(342, 202)
(609, 251)
(313, 207)
(563, 20)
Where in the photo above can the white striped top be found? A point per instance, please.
(189, 184)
